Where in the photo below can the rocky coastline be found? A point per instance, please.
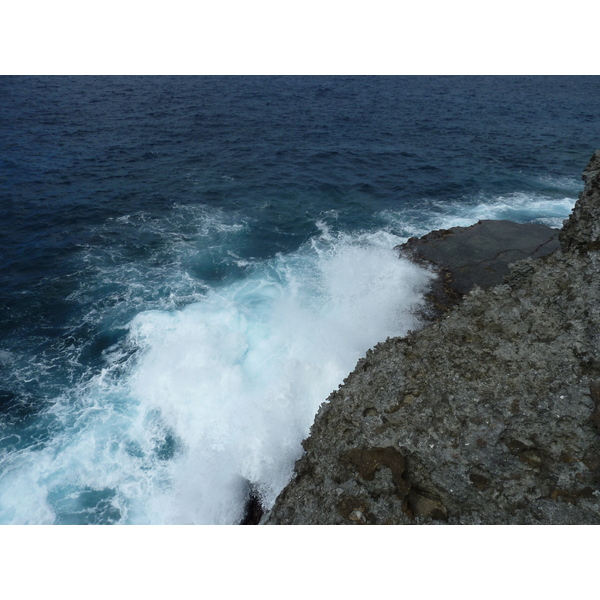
(488, 415)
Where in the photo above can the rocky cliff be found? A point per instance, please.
(490, 414)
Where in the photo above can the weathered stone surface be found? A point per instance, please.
(477, 255)
(595, 394)
(488, 415)
(581, 231)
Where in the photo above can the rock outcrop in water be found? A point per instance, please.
(491, 414)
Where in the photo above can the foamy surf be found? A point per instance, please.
(196, 404)
(520, 207)
(209, 388)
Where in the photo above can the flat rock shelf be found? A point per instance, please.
(479, 255)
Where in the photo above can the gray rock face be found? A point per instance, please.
(489, 415)
(581, 231)
(476, 255)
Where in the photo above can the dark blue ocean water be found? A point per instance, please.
(189, 265)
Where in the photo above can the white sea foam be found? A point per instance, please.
(215, 385)
(217, 394)
(520, 207)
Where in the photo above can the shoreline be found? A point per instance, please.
(487, 415)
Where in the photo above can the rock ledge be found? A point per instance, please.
(489, 415)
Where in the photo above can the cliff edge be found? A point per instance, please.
(489, 415)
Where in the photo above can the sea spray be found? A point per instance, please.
(237, 378)
(195, 404)
(145, 214)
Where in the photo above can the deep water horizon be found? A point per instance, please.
(190, 265)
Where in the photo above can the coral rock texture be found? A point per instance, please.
(490, 414)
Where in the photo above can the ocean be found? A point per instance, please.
(190, 265)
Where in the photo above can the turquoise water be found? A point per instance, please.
(190, 265)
